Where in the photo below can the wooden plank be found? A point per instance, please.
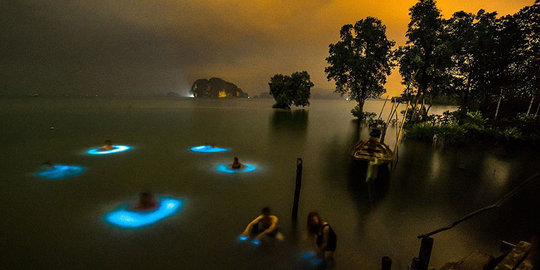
(515, 257)
(525, 265)
(474, 261)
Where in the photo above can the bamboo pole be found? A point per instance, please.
(498, 105)
(530, 105)
(399, 133)
(382, 109)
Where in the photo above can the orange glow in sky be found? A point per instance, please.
(165, 45)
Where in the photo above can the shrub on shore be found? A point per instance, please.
(472, 127)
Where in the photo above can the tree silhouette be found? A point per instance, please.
(360, 62)
(426, 58)
(290, 90)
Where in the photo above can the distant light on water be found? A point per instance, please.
(208, 149)
(59, 171)
(116, 149)
(124, 217)
(226, 168)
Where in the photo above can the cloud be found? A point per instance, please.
(157, 46)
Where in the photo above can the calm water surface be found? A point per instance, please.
(59, 224)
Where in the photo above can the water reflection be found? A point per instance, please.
(338, 151)
(289, 122)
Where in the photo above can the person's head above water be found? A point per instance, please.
(266, 211)
(313, 222)
(48, 163)
(108, 142)
(236, 160)
(146, 199)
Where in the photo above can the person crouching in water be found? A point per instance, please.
(264, 226)
(326, 238)
(146, 202)
(236, 164)
(108, 146)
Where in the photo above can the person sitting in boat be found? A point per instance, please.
(146, 202)
(263, 226)
(236, 164)
(326, 238)
(107, 147)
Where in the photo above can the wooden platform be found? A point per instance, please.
(476, 260)
(517, 258)
(514, 260)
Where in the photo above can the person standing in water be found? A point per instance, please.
(146, 202)
(236, 164)
(263, 226)
(108, 146)
(326, 238)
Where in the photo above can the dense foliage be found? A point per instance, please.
(489, 63)
(290, 90)
(425, 60)
(360, 62)
(455, 128)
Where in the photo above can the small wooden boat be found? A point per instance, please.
(372, 150)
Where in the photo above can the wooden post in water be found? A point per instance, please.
(297, 188)
(425, 252)
(386, 263)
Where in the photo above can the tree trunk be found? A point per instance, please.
(361, 102)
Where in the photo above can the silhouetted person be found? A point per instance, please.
(326, 238)
(262, 226)
(108, 146)
(236, 164)
(146, 202)
(48, 164)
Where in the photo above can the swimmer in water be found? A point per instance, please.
(326, 238)
(108, 146)
(146, 202)
(48, 164)
(264, 226)
(236, 164)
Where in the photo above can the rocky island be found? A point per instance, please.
(216, 88)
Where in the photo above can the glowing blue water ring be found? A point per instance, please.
(208, 149)
(116, 149)
(59, 171)
(226, 168)
(245, 238)
(311, 258)
(124, 217)
(242, 238)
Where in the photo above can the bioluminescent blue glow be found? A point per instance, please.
(59, 171)
(311, 258)
(256, 242)
(226, 168)
(116, 149)
(124, 217)
(191, 95)
(208, 149)
(242, 238)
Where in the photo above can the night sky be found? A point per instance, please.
(138, 47)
